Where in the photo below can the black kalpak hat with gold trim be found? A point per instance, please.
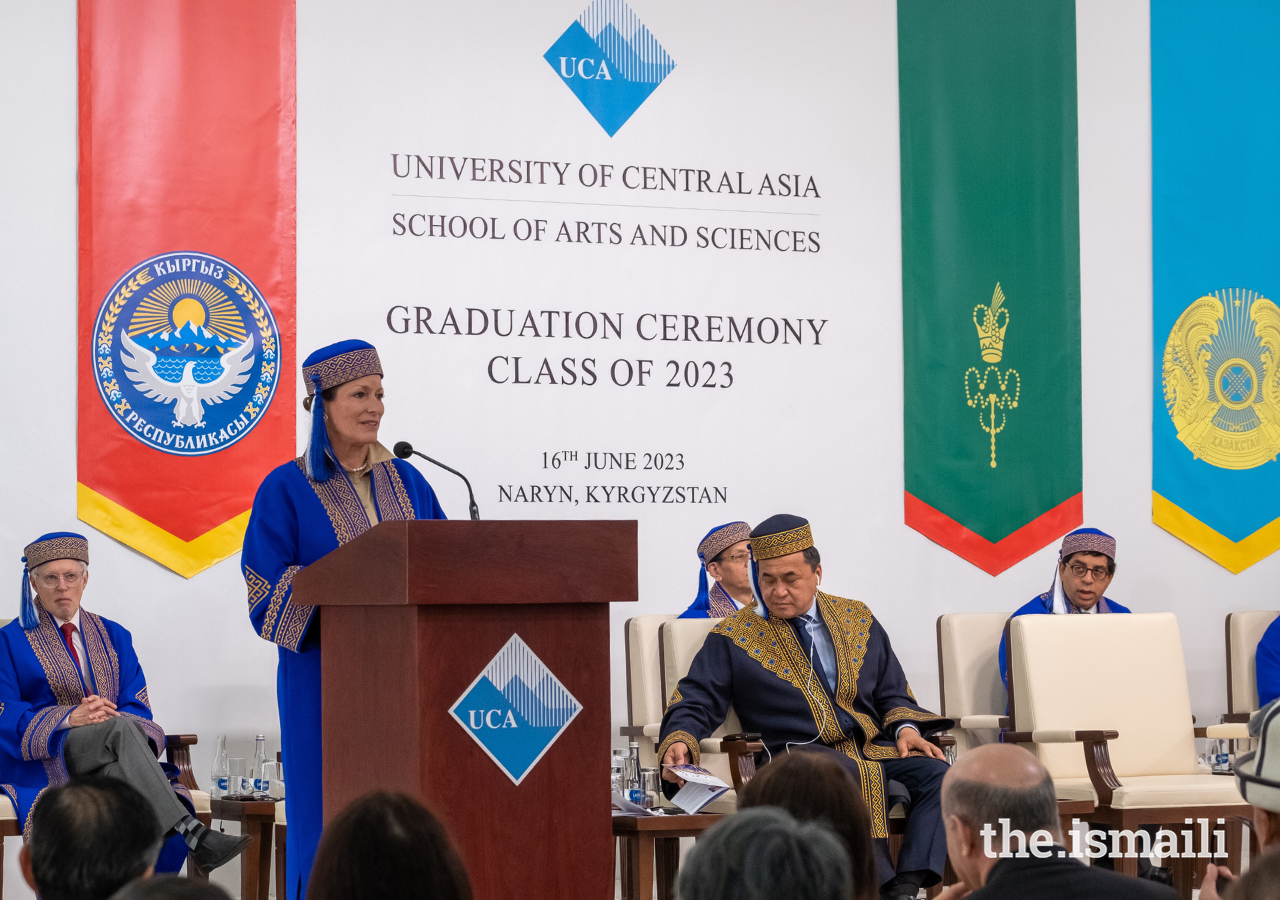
(780, 535)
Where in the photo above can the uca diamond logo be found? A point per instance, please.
(610, 61)
(516, 709)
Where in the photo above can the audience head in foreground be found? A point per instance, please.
(1261, 882)
(88, 839)
(170, 887)
(387, 847)
(763, 853)
(812, 786)
(1004, 781)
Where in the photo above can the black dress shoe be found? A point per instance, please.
(216, 849)
(1158, 874)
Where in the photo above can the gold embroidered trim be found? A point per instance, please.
(681, 737)
(675, 698)
(342, 368)
(338, 497)
(283, 587)
(60, 670)
(258, 586)
(294, 619)
(104, 664)
(720, 604)
(142, 697)
(722, 539)
(35, 740)
(773, 644)
(393, 500)
(26, 828)
(906, 713)
(871, 775)
(41, 552)
(784, 543)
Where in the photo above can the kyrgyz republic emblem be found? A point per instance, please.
(186, 353)
(1222, 379)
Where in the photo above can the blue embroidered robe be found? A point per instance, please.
(294, 522)
(1043, 606)
(1268, 661)
(757, 666)
(719, 605)
(41, 685)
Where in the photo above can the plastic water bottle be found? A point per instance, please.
(221, 780)
(260, 786)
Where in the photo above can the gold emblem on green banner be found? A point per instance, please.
(992, 391)
(1222, 379)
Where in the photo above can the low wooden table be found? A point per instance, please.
(257, 819)
(649, 843)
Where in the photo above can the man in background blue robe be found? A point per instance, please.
(725, 556)
(73, 702)
(1086, 565)
(813, 672)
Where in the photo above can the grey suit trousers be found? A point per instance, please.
(119, 748)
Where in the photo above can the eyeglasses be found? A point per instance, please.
(1098, 572)
(736, 558)
(71, 579)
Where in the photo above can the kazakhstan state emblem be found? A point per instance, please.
(186, 353)
(1222, 379)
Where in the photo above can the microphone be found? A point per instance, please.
(404, 450)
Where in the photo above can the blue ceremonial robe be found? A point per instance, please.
(1268, 662)
(757, 665)
(295, 521)
(40, 686)
(1043, 606)
(718, 605)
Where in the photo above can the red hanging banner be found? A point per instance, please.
(186, 269)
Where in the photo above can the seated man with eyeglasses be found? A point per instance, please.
(725, 554)
(1086, 565)
(73, 703)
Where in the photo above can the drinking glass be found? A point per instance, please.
(269, 776)
(241, 787)
(652, 786)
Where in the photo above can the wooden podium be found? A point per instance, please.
(411, 614)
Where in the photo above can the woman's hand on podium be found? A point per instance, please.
(677, 755)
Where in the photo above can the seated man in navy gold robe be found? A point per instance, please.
(726, 557)
(1086, 565)
(73, 703)
(812, 672)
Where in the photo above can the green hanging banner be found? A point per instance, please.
(990, 275)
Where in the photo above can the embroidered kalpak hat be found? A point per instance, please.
(713, 543)
(1088, 540)
(720, 538)
(780, 535)
(47, 548)
(329, 367)
(339, 363)
(1258, 773)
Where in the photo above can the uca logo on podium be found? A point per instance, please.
(515, 709)
(610, 61)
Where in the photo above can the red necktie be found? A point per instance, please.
(67, 630)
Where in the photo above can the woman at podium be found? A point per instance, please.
(344, 484)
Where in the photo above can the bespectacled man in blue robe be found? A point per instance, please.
(1086, 565)
(812, 672)
(73, 703)
(725, 555)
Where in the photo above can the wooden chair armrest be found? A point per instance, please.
(178, 753)
(640, 730)
(1235, 718)
(742, 760)
(942, 739)
(1097, 755)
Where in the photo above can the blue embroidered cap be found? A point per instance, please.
(329, 367)
(713, 543)
(47, 548)
(1088, 540)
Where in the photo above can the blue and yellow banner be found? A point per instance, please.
(1215, 96)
